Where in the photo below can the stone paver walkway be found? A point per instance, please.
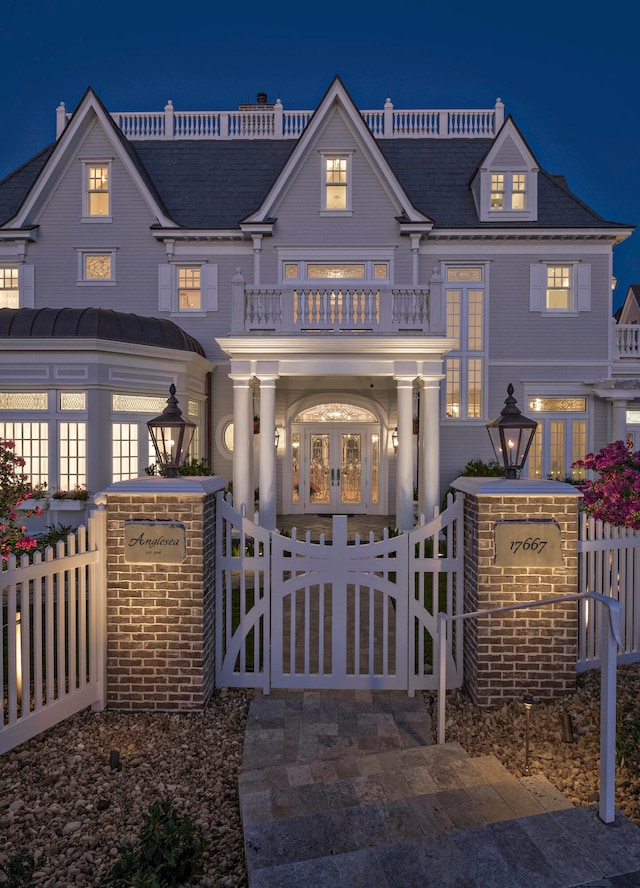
(346, 789)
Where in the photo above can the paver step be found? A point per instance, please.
(481, 784)
(570, 848)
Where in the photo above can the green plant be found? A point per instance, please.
(191, 467)
(169, 852)
(628, 736)
(477, 468)
(53, 534)
(18, 871)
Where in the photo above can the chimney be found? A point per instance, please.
(261, 99)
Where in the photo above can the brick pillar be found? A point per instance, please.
(520, 544)
(160, 593)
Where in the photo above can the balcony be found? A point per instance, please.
(626, 342)
(343, 310)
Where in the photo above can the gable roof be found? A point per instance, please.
(216, 184)
(89, 109)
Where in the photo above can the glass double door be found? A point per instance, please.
(335, 470)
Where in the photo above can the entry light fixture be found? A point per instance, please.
(511, 435)
(277, 438)
(171, 434)
(394, 439)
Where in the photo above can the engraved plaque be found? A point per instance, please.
(528, 544)
(154, 542)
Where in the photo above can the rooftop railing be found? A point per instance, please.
(274, 122)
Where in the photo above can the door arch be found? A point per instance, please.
(334, 458)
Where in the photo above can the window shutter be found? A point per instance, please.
(210, 287)
(26, 286)
(165, 277)
(584, 287)
(537, 279)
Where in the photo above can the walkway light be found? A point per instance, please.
(511, 436)
(171, 435)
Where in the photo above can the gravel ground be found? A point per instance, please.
(60, 798)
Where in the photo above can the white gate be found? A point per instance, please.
(336, 614)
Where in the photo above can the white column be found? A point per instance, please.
(404, 455)
(429, 447)
(619, 419)
(267, 459)
(415, 249)
(242, 442)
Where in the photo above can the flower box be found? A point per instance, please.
(68, 505)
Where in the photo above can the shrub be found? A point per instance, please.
(18, 871)
(615, 496)
(15, 490)
(477, 468)
(169, 852)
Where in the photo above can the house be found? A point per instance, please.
(340, 296)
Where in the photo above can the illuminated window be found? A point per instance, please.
(464, 366)
(559, 287)
(97, 194)
(9, 292)
(72, 454)
(227, 437)
(189, 291)
(96, 267)
(336, 183)
(508, 191)
(560, 438)
(124, 451)
(32, 444)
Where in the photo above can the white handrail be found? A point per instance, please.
(608, 656)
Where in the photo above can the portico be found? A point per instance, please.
(377, 374)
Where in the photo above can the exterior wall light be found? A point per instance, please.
(511, 436)
(277, 438)
(171, 434)
(394, 440)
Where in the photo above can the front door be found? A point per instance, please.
(335, 470)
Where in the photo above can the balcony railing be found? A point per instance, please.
(274, 122)
(626, 342)
(334, 310)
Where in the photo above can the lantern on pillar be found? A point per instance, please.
(171, 434)
(511, 435)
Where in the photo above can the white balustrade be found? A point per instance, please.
(336, 309)
(273, 122)
(627, 341)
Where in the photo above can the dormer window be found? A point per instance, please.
(97, 191)
(336, 183)
(508, 191)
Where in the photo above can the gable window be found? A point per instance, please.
(336, 183)
(189, 293)
(464, 376)
(96, 267)
(508, 191)
(9, 292)
(97, 191)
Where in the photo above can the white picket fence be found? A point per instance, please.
(608, 563)
(53, 639)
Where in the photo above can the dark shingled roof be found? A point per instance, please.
(15, 187)
(211, 184)
(94, 323)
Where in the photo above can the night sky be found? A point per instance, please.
(569, 78)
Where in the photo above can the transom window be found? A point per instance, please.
(369, 270)
(9, 291)
(189, 288)
(98, 193)
(335, 413)
(508, 191)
